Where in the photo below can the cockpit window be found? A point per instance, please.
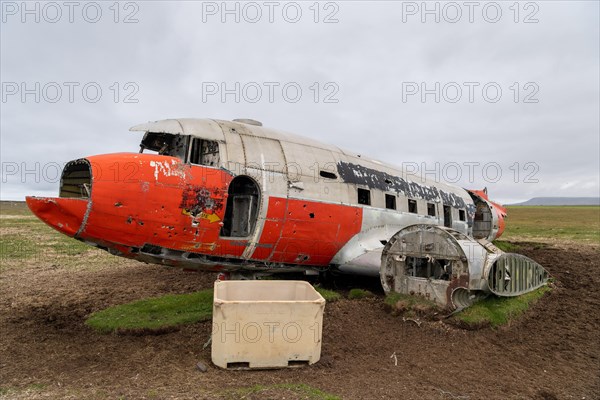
(165, 144)
(188, 149)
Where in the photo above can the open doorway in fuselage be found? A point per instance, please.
(242, 207)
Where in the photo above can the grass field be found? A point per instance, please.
(23, 237)
(157, 314)
(573, 223)
(497, 311)
(52, 284)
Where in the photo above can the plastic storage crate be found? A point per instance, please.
(266, 324)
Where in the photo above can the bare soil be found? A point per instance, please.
(46, 351)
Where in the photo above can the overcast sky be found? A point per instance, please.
(485, 86)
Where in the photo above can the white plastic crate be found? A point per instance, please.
(266, 324)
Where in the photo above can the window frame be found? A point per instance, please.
(358, 196)
(393, 198)
(414, 203)
(430, 207)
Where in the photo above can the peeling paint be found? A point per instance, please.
(164, 168)
(198, 199)
(374, 179)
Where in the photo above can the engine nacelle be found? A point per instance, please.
(488, 221)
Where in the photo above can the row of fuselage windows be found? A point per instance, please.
(364, 197)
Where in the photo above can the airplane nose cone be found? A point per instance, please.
(66, 215)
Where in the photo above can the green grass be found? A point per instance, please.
(41, 244)
(23, 237)
(34, 387)
(14, 208)
(507, 246)
(328, 295)
(496, 311)
(281, 390)
(16, 246)
(155, 314)
(359, 294)
(410, 306)
(574, 223)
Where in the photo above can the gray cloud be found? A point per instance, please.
(368, 54)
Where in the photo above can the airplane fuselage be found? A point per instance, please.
(234, 196)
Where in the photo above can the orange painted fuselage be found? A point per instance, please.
(143, 203)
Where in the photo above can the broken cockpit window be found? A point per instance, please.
(165, 144)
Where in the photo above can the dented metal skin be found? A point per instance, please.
(235, 196)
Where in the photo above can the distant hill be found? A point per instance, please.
(560, 201)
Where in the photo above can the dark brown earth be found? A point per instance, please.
(46, 351)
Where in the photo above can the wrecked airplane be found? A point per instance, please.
(234, 196)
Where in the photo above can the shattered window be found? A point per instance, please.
(461, 215)
(165, 144)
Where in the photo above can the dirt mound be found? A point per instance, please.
(46, 350)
